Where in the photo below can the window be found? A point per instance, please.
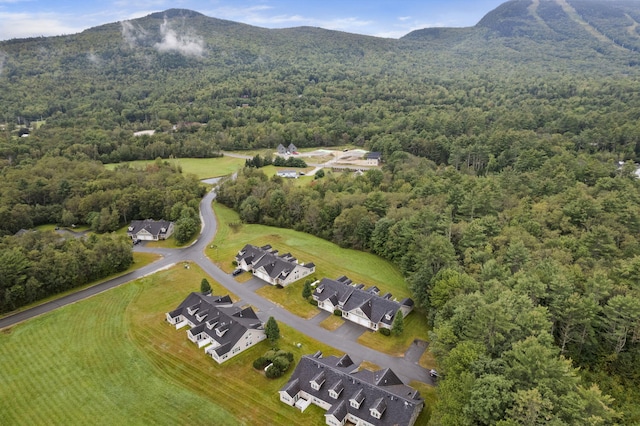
(375, 414)
(355, 404)
(315, 386)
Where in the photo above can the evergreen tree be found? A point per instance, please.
(205, 287)
(398, 323)
(306, 290)
(272, 330)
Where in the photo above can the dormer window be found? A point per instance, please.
(336, 390)
(318, 381)
(357, 399)
(130, 229)
(378, 408)
(192, 310)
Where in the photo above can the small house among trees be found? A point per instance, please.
(150, 230)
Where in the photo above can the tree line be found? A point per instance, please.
(35, 265)
(56, 190)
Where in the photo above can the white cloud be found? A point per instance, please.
(404, 18)
(21, 25)
(186, 44)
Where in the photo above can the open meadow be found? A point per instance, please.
(112, 359)
(203, 168)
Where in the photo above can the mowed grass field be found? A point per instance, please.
(112, 359)
(203, 168)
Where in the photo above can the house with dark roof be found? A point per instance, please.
(364, 306)
(150, 230)
(348, 394)
(292, 148)
(281, 149)
(373, 158)
(272, 267)
(217, 325)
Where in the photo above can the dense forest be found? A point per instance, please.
(69, 193)
(508, 198)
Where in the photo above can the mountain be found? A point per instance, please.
(304, 82)
(563, 29)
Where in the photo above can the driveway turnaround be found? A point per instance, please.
(341, 339)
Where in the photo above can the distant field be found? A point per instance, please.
(202, 167)
(112, 359)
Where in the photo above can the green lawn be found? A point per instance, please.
(415, 327)
(112, 359)
(333, 322)
(201, 167)
(331, 260)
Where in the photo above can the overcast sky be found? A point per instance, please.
(383, 18)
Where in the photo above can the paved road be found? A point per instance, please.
(343, 340)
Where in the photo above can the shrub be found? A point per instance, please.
(385, 332)
(273, 372)
(234, 262)
(260, 363)
(281, 363)
(337, 313)
(313, 302)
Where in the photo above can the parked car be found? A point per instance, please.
(237, 272)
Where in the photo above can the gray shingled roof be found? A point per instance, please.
(373, 389)
(277, 266)
(154, 227)
(352, 297)
(229, 320)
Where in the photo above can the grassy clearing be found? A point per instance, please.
(331, 260)
(332, 323)
(112, 359)
(289, 297)
(415, 327)
(427, 360)
(201, 167)
(430, 396)
(139, 260)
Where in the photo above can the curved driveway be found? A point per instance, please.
(405, 368)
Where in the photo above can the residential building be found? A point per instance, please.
(150, 230)
(361, 397)
(289, 174)
(223, 329)
(357, 304)
(292, 148)
(281, 149)
(274, 268)
(373, 158)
